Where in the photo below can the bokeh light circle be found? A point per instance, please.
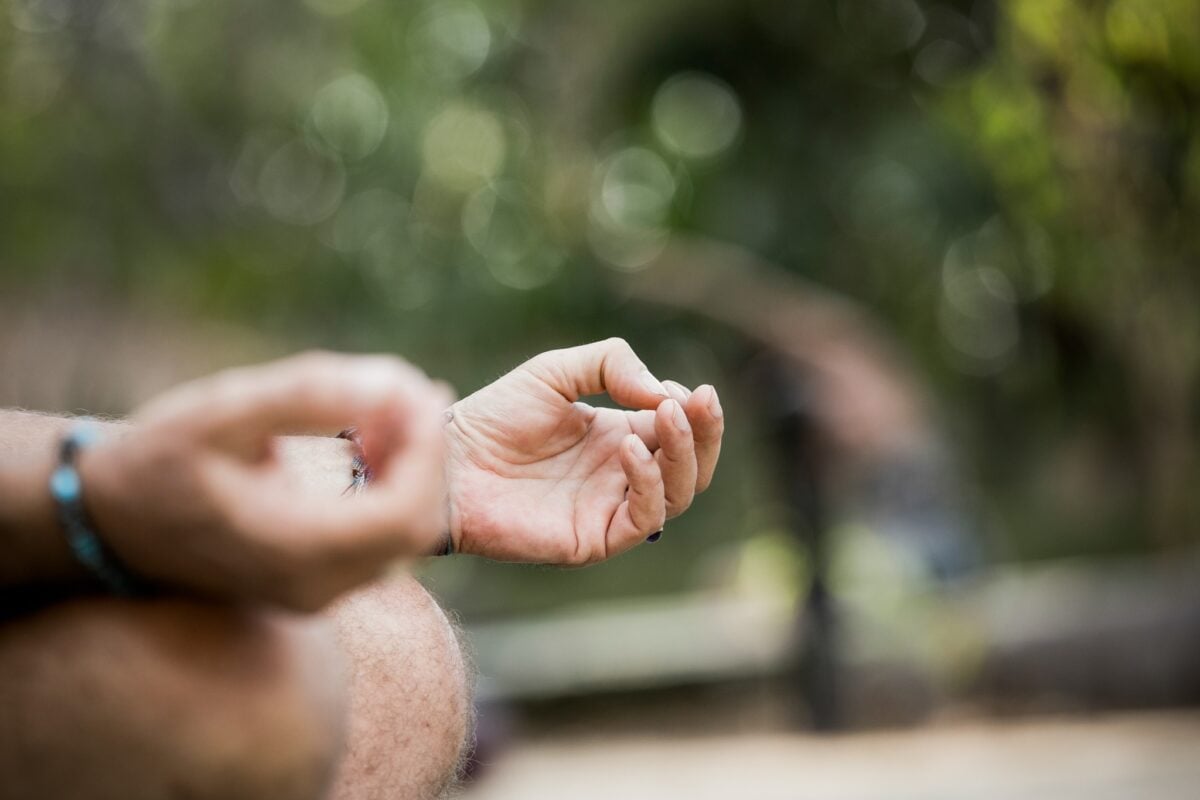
(496, 221)
(630, 207)
(636, 187)
(450, 40)
(300, 186)
(464, 146)
(696, 115)
(350, 115)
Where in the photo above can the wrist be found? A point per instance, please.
(455, 518)
(453, 526)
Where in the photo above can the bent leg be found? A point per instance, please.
(410, 694)
(109, 698)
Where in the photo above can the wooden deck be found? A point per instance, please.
(1114, 757)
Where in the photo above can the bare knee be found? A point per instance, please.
(410, 694)
(107, 698)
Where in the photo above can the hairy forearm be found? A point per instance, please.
(35, 551)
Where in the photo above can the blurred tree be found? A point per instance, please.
(1086, 119)
(1007, 187)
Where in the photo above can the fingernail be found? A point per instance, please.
(677, 391)
(651, 383)
(680, 419)
(714, 405)
(654, 537)
(640, 450)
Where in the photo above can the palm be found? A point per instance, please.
(534, 475)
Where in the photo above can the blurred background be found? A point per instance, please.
(940, 258)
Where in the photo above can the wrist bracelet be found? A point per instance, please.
(66, 488)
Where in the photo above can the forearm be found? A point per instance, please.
(35, 551)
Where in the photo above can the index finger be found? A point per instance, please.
(608, 366)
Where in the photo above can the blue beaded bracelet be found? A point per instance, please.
(66, 488)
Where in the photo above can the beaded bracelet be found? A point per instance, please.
(66, 487)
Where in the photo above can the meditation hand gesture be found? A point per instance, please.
(197, 493)
(535, 475)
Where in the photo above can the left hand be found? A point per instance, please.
(536, 476)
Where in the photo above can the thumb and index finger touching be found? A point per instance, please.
(606, 366)
(397, 409)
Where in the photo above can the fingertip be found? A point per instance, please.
(637, 450)
(644, 391)
(714, 404)
(678, 391)
(700, 404)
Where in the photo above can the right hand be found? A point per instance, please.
(195, 494)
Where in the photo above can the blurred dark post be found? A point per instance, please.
(792, 436)
(832, 397)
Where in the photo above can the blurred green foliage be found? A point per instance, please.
(1011, 189)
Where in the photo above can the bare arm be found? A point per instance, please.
(199, 493)
(34, 547)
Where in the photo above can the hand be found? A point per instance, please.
(535, 476)
(196, 494)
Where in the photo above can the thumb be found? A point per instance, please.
(608, 366)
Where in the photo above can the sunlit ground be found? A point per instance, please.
(1144, 755)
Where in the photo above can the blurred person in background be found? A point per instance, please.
(250, 643)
